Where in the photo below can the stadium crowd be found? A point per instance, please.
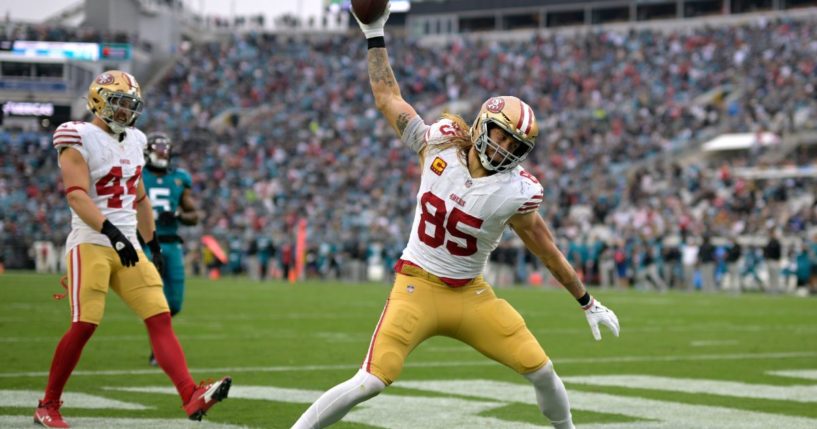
(275, 130)
(54, 33)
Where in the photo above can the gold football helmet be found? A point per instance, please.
(115, 97)
(514, 117)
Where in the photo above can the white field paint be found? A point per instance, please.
(109, 338)
(387, 410)
(808, 374)
(288, 334)
(661, 414)
(412, 412)
(339, 337)
(29, 398)
(277, 394)
(797, 393)
(392, 410)
(26, 422)
(709, 343)
(446, 364)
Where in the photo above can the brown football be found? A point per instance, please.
(368, 11)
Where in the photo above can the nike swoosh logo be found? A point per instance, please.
(481, 290)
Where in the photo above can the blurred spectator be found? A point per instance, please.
(802, 263)
(274, 130)
(733, 256)
(772, 253)
(59, 33)
(689, 259)
(261, 254)
(673, 270)
(812, 249)
(706, 260)
(235, 258)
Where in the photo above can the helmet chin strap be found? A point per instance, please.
(116, 127)
(486, 163)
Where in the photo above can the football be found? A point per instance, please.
(367, 11)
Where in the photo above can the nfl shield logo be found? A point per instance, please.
(410, 288)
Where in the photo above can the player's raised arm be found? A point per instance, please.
(386, 92)
(533, 231)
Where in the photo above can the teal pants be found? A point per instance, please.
(173, 277)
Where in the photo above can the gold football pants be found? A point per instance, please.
(421, 306)
(92, 269)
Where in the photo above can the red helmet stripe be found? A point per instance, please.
(525, 118)
(530, 119)
(128, 79)
(521, 115)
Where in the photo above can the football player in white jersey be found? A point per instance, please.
(101, 163)
(472, 187)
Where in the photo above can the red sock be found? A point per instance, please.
(169, 354)
(66, 357)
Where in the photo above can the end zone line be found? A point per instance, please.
(481, 362)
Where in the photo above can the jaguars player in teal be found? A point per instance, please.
(169, 190)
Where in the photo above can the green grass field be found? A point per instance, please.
(682, 361)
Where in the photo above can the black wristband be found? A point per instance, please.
(376, 42)
(108, 228)
(585, 299)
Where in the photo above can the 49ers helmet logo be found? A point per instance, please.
(495, 105)
(105, 79)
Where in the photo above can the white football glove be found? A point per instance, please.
(597, 313)
(375, 29)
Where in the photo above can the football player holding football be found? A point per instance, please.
(101, 163)
(471, 188)
(170, 194)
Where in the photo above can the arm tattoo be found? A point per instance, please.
(564, 273)
(379, 68)
(402, 122)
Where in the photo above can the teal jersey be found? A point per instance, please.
(165, 193)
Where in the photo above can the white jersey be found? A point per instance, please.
(116, 168)
(459, 220)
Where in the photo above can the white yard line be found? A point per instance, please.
(277, 334)
(802, 328)
(394, 410)
(29, 398)
(808, 374)
(659, 414)
(796, 393)
(116, 338)
(25, 422)
(710, 343)
(481, 362)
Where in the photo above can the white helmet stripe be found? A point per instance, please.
(525, 121)
(530, 119)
